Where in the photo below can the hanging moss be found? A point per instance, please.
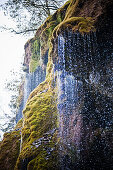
(71, 9)
(33, 65)
(80, 24)
(35, 49)
(35, 54)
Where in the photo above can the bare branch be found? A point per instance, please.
(17, 32)
(29, 13)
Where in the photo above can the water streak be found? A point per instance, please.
(80, 96)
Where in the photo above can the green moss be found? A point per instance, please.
(45, 160)
(71, 9)
(33, 127)
(10, 148)
(80, 24)
(40, 124)
(35, 49)
(25, 134)
(35, 54)
(19, 124)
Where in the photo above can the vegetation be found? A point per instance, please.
(10, 148)
(29, 14)
(35, 54)
(42, 40)
(39, 128)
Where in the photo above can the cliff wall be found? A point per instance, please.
(67, 120)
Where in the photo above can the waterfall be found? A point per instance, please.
(32, 80)
(70, 90)
(21, 141)
(81, 109)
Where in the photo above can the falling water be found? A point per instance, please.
(80, 98)
(69, 101)
(32, 80)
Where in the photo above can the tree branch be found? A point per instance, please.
(17, 32)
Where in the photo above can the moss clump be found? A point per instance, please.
(10, 148)
(71, 9)
(35, 49)
(33, 65)
(19, 125)
(81, 24)
(77, 18)
(39, 134)
(85, 25)
(35, 54)
(47, 158)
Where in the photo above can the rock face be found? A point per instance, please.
(32, 80)
(67, 120)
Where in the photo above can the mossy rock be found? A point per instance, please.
(40, 142)
(81, 24)
(10, 148)
(39, 134)
(39, 45)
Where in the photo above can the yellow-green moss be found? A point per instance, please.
(33, 65)
(71, 9)
(43, 161)
(10, 148)
(35, 49)
(19, 124)
(81, 24)
(40, 126)
(35, 54)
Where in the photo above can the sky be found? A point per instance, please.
(11, 59)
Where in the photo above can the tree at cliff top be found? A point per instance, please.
(29, 14)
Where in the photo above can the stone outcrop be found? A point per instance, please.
(67, 120)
